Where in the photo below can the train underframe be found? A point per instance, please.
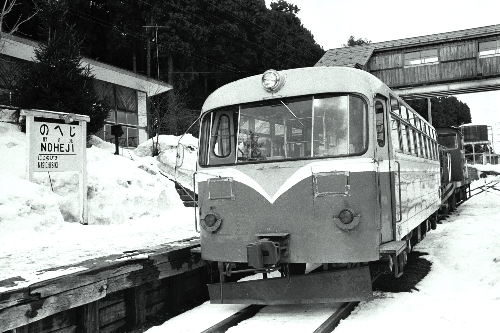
(320, 283)
(453, 194)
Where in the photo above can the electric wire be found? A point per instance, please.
(211, 23)
(144, 37)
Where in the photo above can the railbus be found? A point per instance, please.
(319, 178)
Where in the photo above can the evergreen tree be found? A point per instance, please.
(352, 41)
(57, 81)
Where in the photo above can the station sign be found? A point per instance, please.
(57, 142)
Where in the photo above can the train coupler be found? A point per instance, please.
(268, 251)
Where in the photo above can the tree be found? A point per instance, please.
(56, 80)
(283, 6)
(446, 111)
(352, 41)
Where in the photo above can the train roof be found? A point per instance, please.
(298, 82)
(449, 129)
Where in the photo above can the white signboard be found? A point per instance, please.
(57, 143)
(57, 147)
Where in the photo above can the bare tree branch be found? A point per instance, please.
(8, 6)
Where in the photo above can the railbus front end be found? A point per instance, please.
(294, 177)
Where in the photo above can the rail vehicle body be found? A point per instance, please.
(321, 165)
(456, 175)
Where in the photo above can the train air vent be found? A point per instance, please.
(220, 188)
(331, 183)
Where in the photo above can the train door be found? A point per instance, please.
(383, 165)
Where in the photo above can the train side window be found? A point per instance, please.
(222, 137)
(413, 144)
(379, 118)
(431, 149)
(426, 146)
(404, 113)
(396, 134)
(395, 106)
(204, 137)
(404, 138)
(434, 153)
(418, 144)
(422, 145)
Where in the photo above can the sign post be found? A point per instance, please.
(57, 143)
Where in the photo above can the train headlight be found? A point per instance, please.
(211, 222)
(346, 216)
(272, 81)
(346, 219)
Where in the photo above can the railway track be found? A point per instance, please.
(326, 326)
(484, 188)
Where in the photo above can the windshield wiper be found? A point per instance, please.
(293, 114)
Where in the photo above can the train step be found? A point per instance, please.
(188, 197)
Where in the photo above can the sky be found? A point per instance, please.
(332, 22)
(132, 206)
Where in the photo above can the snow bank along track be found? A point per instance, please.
(118, 292)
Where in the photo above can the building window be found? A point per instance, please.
(423, 57)
(489, 49)
(124, 111)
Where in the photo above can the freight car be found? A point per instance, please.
(456, 175)
(319, 167)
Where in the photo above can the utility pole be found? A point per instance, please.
(157, 58)
(156, 26)
(148, 46)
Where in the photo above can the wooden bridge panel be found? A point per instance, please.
(458, 69)
(420, 74)
(383, 61)
(489, 65)
(391, 77)
(452, 52)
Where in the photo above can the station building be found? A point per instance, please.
(124, 92)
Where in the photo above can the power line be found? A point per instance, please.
(193, 54)
(203, 19)
(143, 37)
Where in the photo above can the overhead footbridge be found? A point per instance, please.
(443, 64)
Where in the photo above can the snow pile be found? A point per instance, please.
(131, 204)
(167, 148)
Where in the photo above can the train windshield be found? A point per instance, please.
(449, 140)
(285, 129)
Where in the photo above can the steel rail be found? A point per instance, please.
(235, 319)
(484, 188)
(342, 312)
(326, 327)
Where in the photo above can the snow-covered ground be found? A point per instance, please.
(131, 205)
